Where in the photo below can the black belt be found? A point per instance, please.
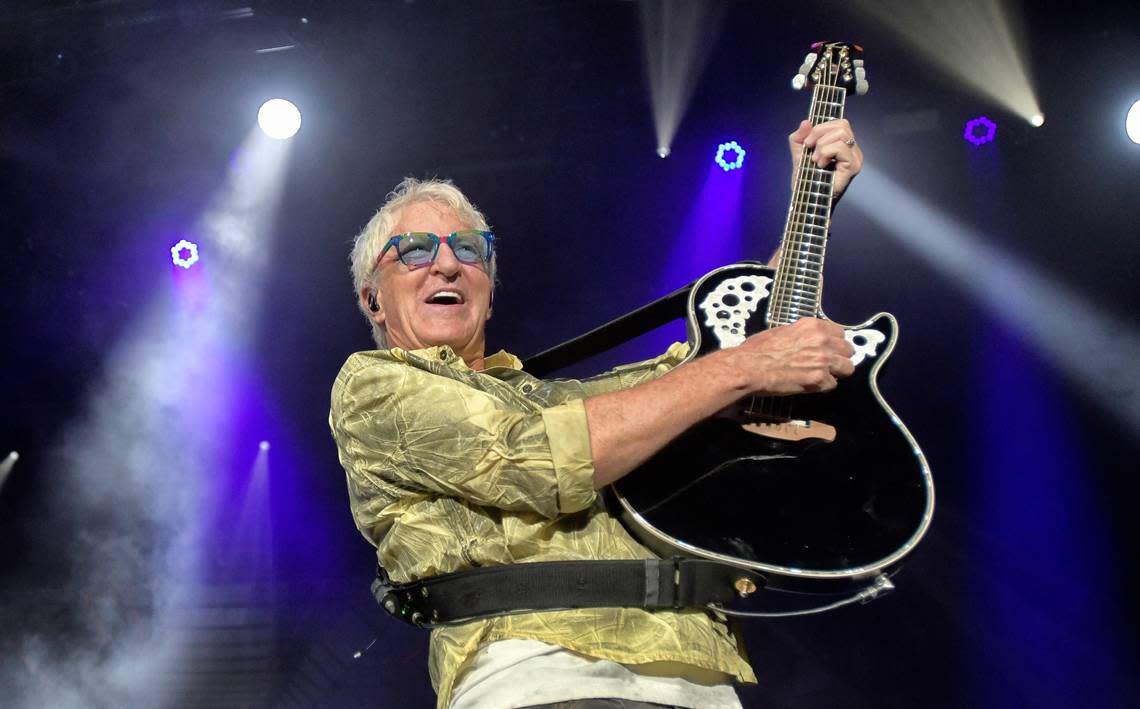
(652, 584)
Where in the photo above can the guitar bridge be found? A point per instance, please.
(792, 430)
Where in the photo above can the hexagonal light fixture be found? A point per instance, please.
(730, 146)
(184, 253)
(979, 130)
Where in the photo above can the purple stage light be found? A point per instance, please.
(979, 130)
(725, 147)
(184, 253)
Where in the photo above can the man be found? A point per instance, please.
(456, 459)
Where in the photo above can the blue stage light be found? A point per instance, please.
(184, 253)
(732, 146)
(980, 130)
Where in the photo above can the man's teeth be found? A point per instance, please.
(445, 297)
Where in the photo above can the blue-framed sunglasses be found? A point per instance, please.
(417, 249)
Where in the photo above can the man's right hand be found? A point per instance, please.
(628, 426)
(810, 355)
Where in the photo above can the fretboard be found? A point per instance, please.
(799, 276)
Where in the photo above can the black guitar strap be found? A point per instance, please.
(652, 584)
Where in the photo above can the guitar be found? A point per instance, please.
(816, 492)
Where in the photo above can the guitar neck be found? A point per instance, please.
(799, 277)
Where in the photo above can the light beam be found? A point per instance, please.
(677, 36)
(6, 466)
(1098, 349)
(976, 43)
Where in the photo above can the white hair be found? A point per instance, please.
(370, 241)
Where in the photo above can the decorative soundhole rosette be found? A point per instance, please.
(865, 342)
(728, 306)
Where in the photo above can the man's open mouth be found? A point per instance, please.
(445, 297)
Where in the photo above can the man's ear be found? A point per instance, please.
(373, 303)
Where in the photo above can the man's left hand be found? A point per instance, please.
(834, 143)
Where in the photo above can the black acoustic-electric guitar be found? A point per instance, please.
(817, 492)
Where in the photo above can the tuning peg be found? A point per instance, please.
(800, 79)
(859, 62)
(809, 62)
(861, 86)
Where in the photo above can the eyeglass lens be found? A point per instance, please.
(419, 248)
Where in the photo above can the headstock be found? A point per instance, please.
(835, 64)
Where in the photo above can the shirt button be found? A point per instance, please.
(526, 388)
(444, 353)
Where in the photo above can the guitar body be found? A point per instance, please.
(817, 492)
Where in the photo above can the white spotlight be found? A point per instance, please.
(6, 466)
(663, 152)
(1037, 120)
(279, 118)
(264, 445)
(1132, 123)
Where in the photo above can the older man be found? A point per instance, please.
(456, 459)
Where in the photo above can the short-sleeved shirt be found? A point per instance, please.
(450, 468)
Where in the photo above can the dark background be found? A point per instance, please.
(118, 121)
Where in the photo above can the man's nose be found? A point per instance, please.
(445, 261)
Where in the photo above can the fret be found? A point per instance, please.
(806, 258)
(803, 251)
(820, 233)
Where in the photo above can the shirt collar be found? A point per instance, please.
(443, 353)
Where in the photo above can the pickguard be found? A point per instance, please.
(728, 307)
(866, 343)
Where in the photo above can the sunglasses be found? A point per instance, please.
(417, 249)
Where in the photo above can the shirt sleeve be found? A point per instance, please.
(402, 431)
(630, 375)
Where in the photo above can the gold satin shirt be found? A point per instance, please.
(450, 468)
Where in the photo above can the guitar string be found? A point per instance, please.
(789, 296)
(782, 300)
(792, 291)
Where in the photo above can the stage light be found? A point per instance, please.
(264, 445)
(6, 466)
(279, 118)
(663, 152)
(730, 146)
(1132, 123)
(677, 39)
(1037, 120)
(979, 130)
(979, 43)
(184, 253)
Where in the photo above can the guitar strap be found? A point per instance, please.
(615, 332)
(651, 584)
